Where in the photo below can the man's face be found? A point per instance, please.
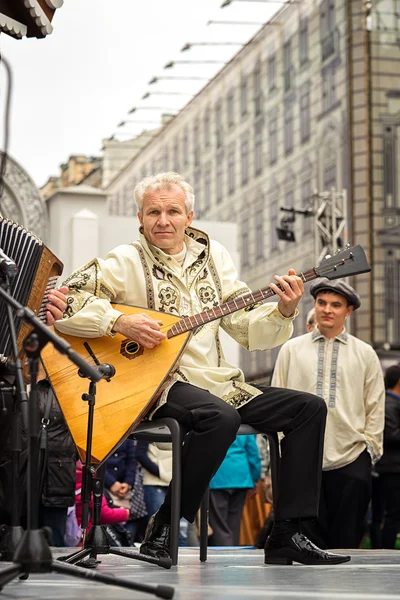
(331, 309)
(164, 219)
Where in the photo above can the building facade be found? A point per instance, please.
(311, 103)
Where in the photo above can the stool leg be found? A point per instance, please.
(176, 435)
(204, 525)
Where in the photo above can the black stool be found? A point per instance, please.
(169, 430)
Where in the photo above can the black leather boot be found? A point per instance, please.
(298, 548)
(156, 541)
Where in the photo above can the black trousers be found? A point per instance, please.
(390, 485)
(226, 508)
(344, 499)
(212, 425)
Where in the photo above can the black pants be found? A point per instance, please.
(344, 499)
(54, 517)
(212, 425)
(226, 508)
(390, 486)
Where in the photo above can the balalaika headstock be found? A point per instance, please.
(350, 261)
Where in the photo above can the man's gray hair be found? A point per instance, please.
(163, 181)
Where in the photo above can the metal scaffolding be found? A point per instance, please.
(330, 222)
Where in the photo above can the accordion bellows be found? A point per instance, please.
(38, 272)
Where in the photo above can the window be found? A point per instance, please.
(288, 127)
(258, 148)
(218, 124)
(330, 177)
(390, 167)
(257, 89)
(244, 156)
(245, 361)
(231, 169)
(165, 159)
(207, 189)
(197, 192)
(243, 95)
(273, 140)
(303, 41)
(287, 65)
(305, 114)
(185, 149)
(327, 25)
(206, 124)
(177, 166)
(392, 299)
(259, 223)
(196, 144)
(230, 108)
(220, 183)
(272, 72)
(328, 89)
(273, 219)
(260, 363)
(245, 242)
(307, 202)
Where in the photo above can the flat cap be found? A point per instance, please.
(339, 286)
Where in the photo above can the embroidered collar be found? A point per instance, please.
(343, 336)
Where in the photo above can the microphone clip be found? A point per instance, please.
(106, 371)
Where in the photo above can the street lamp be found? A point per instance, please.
(123, 123)
(135, 108)
(228, 2)
(172, 63)
(160, 93)
(186, 77)
(189, 45)
(235, 23)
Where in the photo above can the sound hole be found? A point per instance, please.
(131, 348)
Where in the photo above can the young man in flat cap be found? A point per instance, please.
(346, 372)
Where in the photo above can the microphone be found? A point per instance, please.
(8, 267)
(105, 369)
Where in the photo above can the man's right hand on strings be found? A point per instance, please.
(141, 328)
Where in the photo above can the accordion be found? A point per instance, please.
(38, 271)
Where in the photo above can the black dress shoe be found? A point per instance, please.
(298, 548)
(156, 541)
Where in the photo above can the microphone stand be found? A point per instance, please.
(96, 541)
(33, 554)
(12, 534)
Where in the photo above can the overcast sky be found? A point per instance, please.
(72, 89)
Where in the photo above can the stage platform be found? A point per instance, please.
(235, 573)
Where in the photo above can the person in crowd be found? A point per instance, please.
(310, 322)
(109, 515)
(59, 451)
(156, 463)
(346, 372)
(56, 466)
(119, 479)
(157, 473)
(176, 268)
(238, 473)
(388, 468)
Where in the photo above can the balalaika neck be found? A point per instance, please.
(245, 301)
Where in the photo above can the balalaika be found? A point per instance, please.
(141, 373)
(38, 271)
